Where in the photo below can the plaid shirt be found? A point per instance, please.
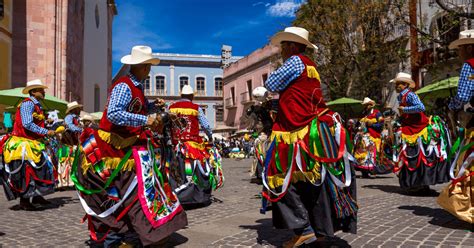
(202, 120)
(282, 77)
(69, 120)
(465, 88)
(120, 97)
(26, 111)
(414, 104)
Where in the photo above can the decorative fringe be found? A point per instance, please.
(38, 116)
(413, 139)
(289, 137)
(298, 176)
(13, 149)
(184, 111)
(115, 139)
(312, 72)
(109, 163)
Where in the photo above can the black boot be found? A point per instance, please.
(25, 204)
(40, 200)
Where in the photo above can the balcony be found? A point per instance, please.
(200, 93)
(218, 93)
(229, 103)
(246, 99)
(160, 92)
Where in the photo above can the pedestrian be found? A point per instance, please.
(28, 171)
(293, 178)
(194, 186)
(116, 176)
(457, 197)
(417, 164)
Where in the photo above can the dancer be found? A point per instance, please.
(122, 187)
(307, 154)
(28, 173)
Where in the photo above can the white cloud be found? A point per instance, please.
(131, 29)
(261, 3)
(284, 8)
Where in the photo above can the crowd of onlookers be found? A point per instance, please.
(236, 147)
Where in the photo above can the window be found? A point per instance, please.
(201, 86)
(146, 85)
(183, 81)
(249, 89)
(232, 93)
(204, 108)
(219, 113)
(264, 78)
(96, 98)
(160, 85)
(218, 86)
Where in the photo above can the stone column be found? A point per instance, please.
(171, 89)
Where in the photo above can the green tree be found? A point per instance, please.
(359, 42)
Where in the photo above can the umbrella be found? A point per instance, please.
(12, 97)
(349, 107)
(441, 89)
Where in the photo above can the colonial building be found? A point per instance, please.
(240, 78)
(66, 44)
(202, 72)
(6, 9)
(98, 17)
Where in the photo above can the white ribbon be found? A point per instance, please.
(112, 209)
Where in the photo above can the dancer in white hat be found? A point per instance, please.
(192, 152)
(25, 153)
(295, 178)
(457, 197)
(422, 157)
(136, 207)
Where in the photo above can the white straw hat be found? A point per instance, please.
(293, 34)
(73, 105)
(140, 55)
(404, 77)
(465, 37)
(34, 84)
(368, 101)
(187, 90)
(87, 117)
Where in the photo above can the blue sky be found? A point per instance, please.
(198, 26)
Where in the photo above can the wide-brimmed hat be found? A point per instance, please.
(187, 90)
(34, 84)
(140, 55)
(293, 34)
(404, 77)
(87, 117)
(73, 105)
(368, 101)
(465, 37)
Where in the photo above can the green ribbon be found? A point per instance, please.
(83, 189)
(277, 157)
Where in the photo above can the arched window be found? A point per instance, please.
(146, 85)
(218, 86)
(183, 81)
(201, 86)
(160, 85)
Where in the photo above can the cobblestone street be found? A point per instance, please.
(387, 218)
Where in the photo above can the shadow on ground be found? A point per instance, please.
(439, 217)
(267, 235)
(56, 202)
(398, 190)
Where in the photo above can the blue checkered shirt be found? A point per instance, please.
(202, 120)
(414, 104)
(26, 110)
(282, 77)
(69, 120)
(465, 88)
(120, 98)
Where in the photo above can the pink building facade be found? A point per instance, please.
(240, 78)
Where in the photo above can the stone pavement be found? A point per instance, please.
(387, 218)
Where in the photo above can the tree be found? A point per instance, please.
(358, 44)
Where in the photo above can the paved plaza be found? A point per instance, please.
(387, 218)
